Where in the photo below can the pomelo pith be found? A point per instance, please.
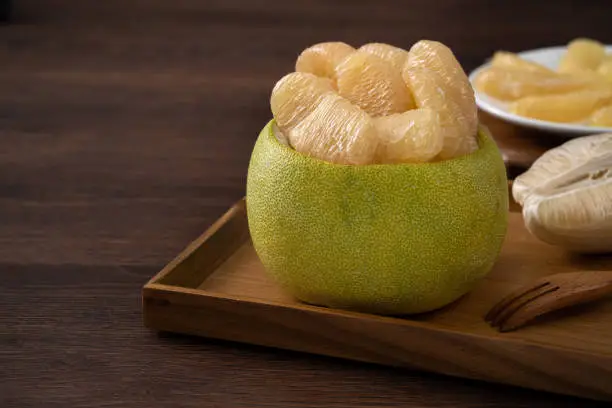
(382, 238)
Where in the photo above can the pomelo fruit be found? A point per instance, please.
(389, 239)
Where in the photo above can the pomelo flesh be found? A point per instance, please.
(336, 131)
(602, 117)
(394, 55)
(605, 70)
(438, 82)
(389, 238)
(424, 92)
(438, 58)
(568, 107)
(511, 84)
(295, 96)
(509, 60)
(372, 83)
(431, 92)
(583, 54)
(410, 137)
(321, 59)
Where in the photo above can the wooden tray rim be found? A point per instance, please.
(179, 295)
(152, 287)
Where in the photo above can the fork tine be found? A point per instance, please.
(511, 297)
(519, 303)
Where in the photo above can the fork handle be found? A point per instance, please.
(556, 302)
(591, 280)
(584, 288)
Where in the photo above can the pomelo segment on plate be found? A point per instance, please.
(583, 54)
(569, 107)
(602, 116)
(605, 70)
(511, 84)
(508, 60)
(567, 93)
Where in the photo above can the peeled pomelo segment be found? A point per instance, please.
(372, 83)
(602, 117)
(605, 70)
(593, 78)
(394, 55)
(582, 54)
(409, 137)
(321, 59)
(569, 107)
(437, 57)
(432, 92)
(295, 96)
(509, 60)
(599, 78)
(511, 84)
(336, 131)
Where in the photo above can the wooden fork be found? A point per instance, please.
(547, 294)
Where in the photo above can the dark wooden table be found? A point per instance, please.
(126, 129)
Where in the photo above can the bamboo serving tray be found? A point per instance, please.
(217, 288)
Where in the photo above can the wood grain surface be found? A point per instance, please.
(126, 129)
(220, 279)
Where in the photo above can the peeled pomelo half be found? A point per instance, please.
(380, 238)
(566, 195)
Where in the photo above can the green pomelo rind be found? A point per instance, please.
(388, 239)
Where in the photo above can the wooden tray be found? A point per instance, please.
(217, 288)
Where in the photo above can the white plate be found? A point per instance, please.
(550, 58)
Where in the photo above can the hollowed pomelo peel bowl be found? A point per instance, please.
(387, 239)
